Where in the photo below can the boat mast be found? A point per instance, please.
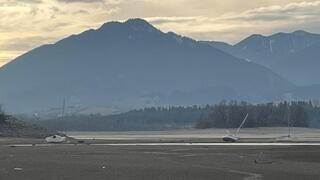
(63, 109)
(288, 119)
(244, 120)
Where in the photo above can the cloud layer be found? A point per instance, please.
(26, 24)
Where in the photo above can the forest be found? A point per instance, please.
(230, 115)
(153, 118)
(3, 117)
(223, 115)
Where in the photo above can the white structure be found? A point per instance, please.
(55, 139)
(234, 137)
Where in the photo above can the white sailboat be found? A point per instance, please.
(234, 137)
(55, 139)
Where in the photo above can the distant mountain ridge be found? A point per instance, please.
(292, 55)
(302, 67)
(132, 65)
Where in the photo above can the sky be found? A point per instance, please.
(26, 24)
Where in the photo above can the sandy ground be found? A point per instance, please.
(94, 161)
(86, 162)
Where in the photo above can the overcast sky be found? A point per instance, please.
(26, 24)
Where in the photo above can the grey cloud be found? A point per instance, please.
(34, 11)
(55, 9)
(56, 26)
(164, 20)
(262, 17)
(27, 1)
(15, 2)
(80, 1)
(278, 13)
(81, 12)
(25, 44)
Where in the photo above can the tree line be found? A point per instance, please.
(223, 115)
(152, 118)
(231, 114)
(3, 117)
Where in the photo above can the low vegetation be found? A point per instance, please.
(12, 127)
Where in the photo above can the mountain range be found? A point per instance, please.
(295, 56)
(132, 64)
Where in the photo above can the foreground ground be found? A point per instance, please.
(86, 162)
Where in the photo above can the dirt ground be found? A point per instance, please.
(88, 162)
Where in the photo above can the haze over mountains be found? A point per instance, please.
(132, 64)
(294, 55)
